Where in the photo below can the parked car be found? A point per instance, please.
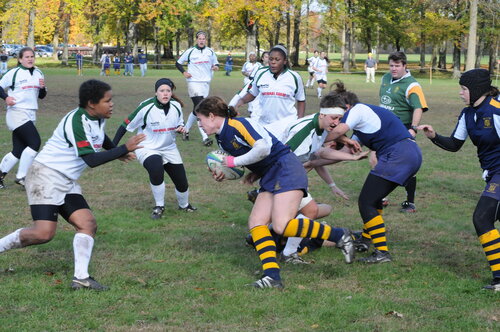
(44, 51)
(15, 50)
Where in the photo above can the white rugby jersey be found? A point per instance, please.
(249, 68)
(277, 95)
(150, 119)
(304, 136)
(312, 63)
(77, 134)
(200, 62)
(322, 66)
(23, 86)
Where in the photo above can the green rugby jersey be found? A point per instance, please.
(402, 96)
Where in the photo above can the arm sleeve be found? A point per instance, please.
(180, 67)
(259, 151)
(447, 143)
(3, 95)
(102, 157)
(119, 134)
(108, 144)
(42, 93)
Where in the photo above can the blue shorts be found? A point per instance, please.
(399, 162)
(492, 188)
(284, 175)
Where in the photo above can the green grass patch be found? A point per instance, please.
(186, 272)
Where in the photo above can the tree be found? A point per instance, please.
(471, 43)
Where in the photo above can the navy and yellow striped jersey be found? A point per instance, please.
(482, 125)
(237, 137)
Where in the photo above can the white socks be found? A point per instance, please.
(158, 193)
(319, 92)
(191, 119)
(182, 198)
(291, 245)
(203, 134)
(82, 247)
(8, 162)
(25, 162)
(11, 241)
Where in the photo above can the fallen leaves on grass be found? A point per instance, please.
(394, 314)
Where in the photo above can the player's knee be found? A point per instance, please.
(44, 235)
(279, 228)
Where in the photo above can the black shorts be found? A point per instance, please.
(72, 202)
(311, 73)
(321, 81)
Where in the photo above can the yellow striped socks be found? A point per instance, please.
(307, 228)
(266, 248)
(491, 247)
(376, 230)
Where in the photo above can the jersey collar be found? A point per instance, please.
(90, 117)
(315, 122)
(200, 48)
(408, 74)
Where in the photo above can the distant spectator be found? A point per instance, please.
(117, 63)
(370, 67)
(129, 65)
(104, 59)
(228, 66)
(79, 63)
(143, 62)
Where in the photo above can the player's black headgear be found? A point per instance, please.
(478, 81)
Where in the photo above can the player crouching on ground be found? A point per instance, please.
(51, 180)
(283, 182)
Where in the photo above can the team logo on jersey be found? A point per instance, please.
(492, 188)
(154, 124)
(264, 86)
(487, 122)
(385, 99)
(396, 89)
(235, 144)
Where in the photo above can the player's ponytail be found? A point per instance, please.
(217, 106)
(349, 97)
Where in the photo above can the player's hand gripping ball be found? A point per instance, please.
(214, 162)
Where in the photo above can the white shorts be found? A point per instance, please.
(171, 156)
(16, 117)
(306, 200)
(45, 186)
(321, 76)
(198, 89)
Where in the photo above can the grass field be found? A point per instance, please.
(186, 272)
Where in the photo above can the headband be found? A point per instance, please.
(162, 81)
(332, 110)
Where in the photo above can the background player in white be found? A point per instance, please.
(51, 183)
(249, 66)
(310, 69)
(280, 89)
(321, 69)
(202, 61)
(25, 84)
(160, 118)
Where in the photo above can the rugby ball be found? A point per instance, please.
(214, 162)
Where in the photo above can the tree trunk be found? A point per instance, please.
(434, 58)
(131, 36)
(156, 31)
(31, 26)
(288, 28)
(456, 58)
(296, 33)
(346, 36)
(277, 35)
(177, 43)
(352, 46)
(190, 34)
(492, 58)
(422, 53)
(442, 56)
(66, 25)
(251, 34)
(57, 28)
(308, 2)
(479, 55)
(472, 40)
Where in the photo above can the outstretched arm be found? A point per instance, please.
(447, 143)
